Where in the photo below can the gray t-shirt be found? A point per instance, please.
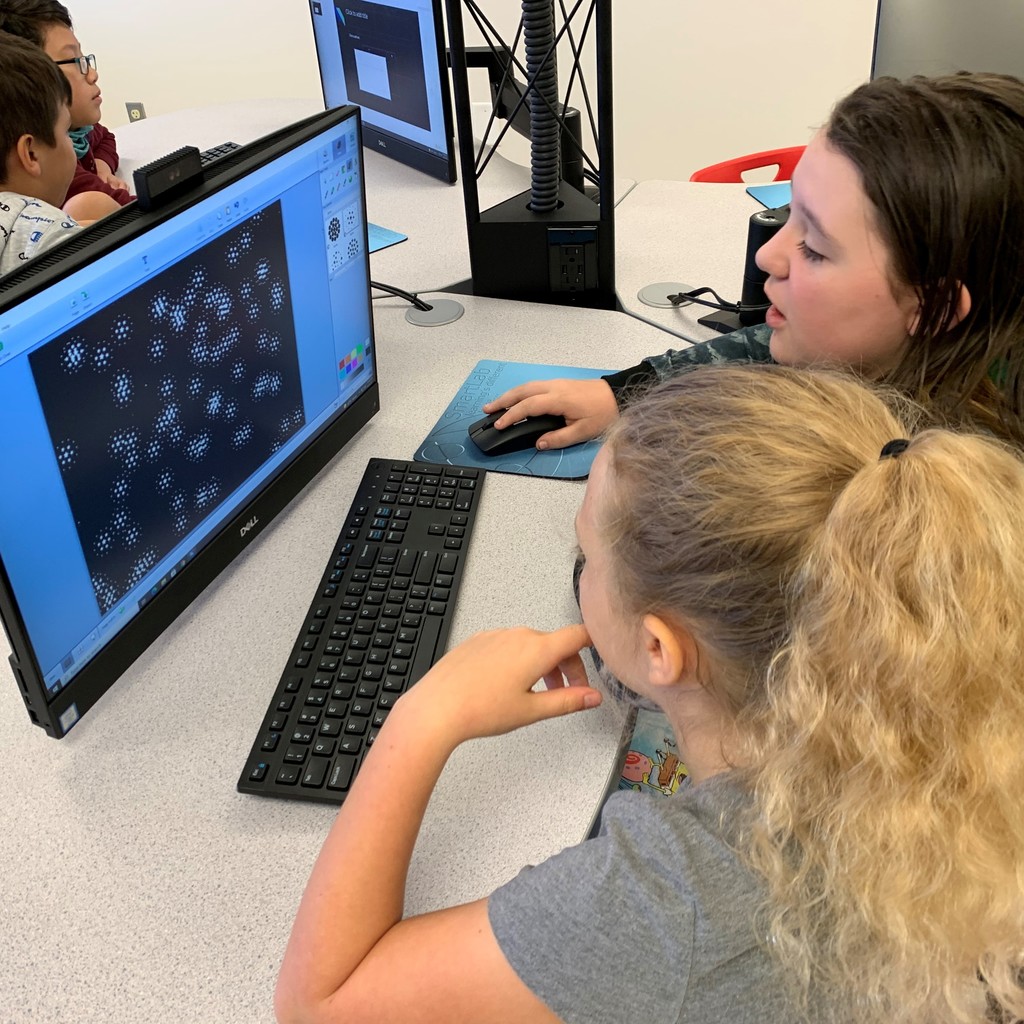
(651, 921)
(29, 227)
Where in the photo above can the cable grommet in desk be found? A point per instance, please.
(441, 312)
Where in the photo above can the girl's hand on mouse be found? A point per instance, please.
(587, 405)
(484, 687)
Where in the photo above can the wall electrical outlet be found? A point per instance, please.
(136, 111)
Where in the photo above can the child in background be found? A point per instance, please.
(833, 621)
(47, 23)
(37, 153)
(901, 260)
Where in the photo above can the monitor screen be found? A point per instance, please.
(389, 58)
(945, 36)
(165, 388)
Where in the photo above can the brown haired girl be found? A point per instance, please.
(901, 260)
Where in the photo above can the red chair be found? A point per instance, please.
(732, 170)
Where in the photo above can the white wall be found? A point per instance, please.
(172, 54)
(695, 82)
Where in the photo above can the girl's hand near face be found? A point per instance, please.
(349, 932)
(484, 687)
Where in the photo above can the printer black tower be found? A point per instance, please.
(554, 242)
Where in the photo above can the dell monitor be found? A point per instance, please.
(169, 380)
(390, 59)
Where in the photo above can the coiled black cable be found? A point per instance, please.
(542, 69)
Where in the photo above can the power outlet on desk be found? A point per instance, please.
(572, 269)
(572, 259)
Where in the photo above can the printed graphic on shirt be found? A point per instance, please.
(652, 761)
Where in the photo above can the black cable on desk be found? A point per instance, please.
(408, 296)
(684, 298)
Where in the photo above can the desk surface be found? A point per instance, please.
(138, 885)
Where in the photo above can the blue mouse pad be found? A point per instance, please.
(381, 238)
(449, 444)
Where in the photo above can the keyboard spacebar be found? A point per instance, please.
(425, 654)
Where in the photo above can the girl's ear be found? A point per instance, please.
(963, 307)
(671, 652)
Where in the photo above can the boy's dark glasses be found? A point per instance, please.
(84, 63)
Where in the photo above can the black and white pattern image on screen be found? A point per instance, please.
(382, 54)
(169, 398)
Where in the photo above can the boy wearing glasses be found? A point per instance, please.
(47, 23)
(38, 158)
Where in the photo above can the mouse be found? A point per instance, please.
(515, 438)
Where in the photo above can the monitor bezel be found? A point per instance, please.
(59, 713)
(375, 139)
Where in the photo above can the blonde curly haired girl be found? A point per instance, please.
(828, 605)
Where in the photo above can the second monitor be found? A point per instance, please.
(389, 58)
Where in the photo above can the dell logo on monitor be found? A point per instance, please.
(248, 526)
(382, 144)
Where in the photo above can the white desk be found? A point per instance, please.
(693, 233)
(138, 887)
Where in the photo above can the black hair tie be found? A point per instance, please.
(893, 448)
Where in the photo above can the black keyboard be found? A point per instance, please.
(207, 156)
(379, 620)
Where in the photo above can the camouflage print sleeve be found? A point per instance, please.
(747, 345)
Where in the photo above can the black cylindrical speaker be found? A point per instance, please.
(763, 225)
